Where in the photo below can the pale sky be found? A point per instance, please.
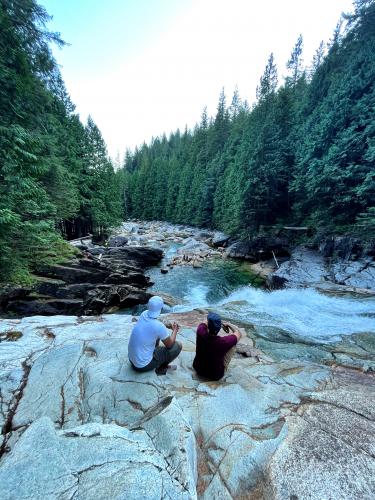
(144, 67)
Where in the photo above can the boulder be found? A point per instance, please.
(130, 227)
(259, 248)
(45, 307)
(10, 292)
(87, 285)
(241, 250)
(204, 234)
(305, 267)
(192, 246)
(219, 239)
(341, 247)
(117, 241)
(139, 255)
(106, 297)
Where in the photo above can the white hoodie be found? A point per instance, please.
(143, 339)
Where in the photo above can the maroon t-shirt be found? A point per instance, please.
(210, 352)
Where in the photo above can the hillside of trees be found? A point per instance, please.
(55, 175)
(304, 153)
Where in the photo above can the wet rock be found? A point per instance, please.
(167, 299)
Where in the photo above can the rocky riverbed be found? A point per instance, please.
(78, 422)
(336, 264)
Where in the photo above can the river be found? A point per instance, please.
(229, 287)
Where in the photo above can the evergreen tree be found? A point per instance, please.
(294, 64)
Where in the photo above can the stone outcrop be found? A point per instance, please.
(331, 265)
(78, 422)
(259, 248)
(102, 279)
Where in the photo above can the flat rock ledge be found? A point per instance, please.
(78, 423)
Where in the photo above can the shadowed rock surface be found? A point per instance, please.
(92, 284)
(273, 428)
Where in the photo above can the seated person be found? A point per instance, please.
(144, 351)
(213, 352)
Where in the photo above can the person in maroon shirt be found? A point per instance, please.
(214, 352)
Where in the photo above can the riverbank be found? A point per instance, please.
(99, 279)
(329, 263)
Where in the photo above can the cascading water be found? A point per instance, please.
(304, 313)
(223, 285)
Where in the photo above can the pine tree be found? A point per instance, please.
(295, 64)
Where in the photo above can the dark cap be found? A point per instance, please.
(214, 323)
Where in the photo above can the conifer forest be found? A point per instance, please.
(302, 154)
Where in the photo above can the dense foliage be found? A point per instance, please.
(304, 153)
(54, 172)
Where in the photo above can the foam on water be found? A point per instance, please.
(195, 298)
(302, 312)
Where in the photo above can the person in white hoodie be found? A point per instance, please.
(144, 351)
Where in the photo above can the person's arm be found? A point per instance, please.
(229, 328)
(169, 341)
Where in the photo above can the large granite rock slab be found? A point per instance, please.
(79, 422)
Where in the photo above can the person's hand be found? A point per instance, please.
(175, 327)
